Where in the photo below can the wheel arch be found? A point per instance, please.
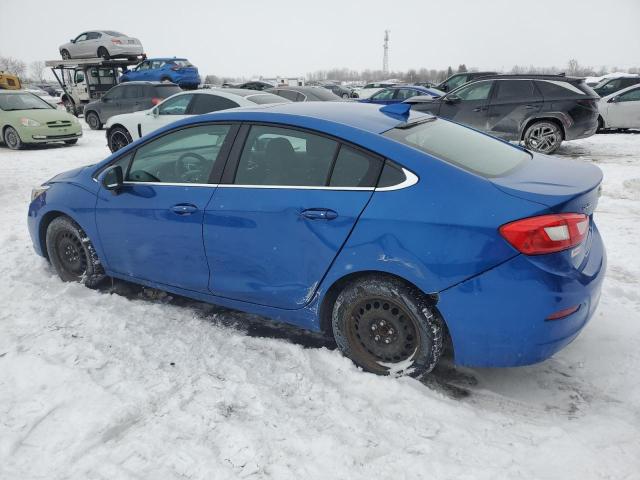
(544, 118)
(47, 218)
(92, 111)
(330, 295)
(118, 125)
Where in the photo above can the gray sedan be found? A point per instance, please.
(101, 43)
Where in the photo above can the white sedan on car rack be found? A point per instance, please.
(124, 129)
(101, 43)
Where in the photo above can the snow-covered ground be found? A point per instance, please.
(96, 385)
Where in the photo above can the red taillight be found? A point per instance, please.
(116, 41)
(156, 100)
(546, 233)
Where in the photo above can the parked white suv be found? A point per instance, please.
(124, 129)
(101, 43)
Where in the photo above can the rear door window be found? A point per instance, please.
(515, 91)
(461, 146)
(354, 168)
(206, 103)
(285, 157)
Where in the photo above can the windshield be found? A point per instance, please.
(461, 146)
(22, 101)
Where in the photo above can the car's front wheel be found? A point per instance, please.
(118, 138)
(12, 139)
(103, 53)
(543, 137)
(72, 254)
(387, 327)
(65, 55)
(93, 121)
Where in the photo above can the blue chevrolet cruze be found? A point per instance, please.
(395, 232)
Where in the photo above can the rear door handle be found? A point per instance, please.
(479, 109)
(319, 214)
(184, 209)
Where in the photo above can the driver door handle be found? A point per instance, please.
(319, 214)
(184, 209)
(479, 109)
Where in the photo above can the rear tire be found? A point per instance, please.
(543, 137)
(387, 328)
(93, 121)
(104, 53)
(118, 138)
(12, 139)
(72, 254)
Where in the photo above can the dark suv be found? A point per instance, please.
(459, 79)
(126, 98)
(541, 110)
(613, 85)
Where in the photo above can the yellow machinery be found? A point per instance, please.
(9, 81)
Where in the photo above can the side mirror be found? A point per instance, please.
(452, 99)
(73, 40)
(112, 179)
(613, 100)
(155, 112)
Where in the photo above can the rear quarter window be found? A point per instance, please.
(557, 89)
(461, 146)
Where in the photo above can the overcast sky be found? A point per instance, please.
(293, 37)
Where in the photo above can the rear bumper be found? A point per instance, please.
(497, 319)
(186, 80)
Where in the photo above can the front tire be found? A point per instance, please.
(93, 121)
(12, 139)
(118, 138)
(65, 55)
(72, 254)
(104, 53)
(543, 137)
(387, 328)
(345, 95)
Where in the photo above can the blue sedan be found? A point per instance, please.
(395, 232)
(399, 94)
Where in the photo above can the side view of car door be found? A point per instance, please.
(624, 110)
(512, 103)
(80, 48)
(92, 43)
(287, 202)
(468, 105)
(151, 229)
(383, 97)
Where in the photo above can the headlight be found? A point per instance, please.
(37, 191)
(28, 122)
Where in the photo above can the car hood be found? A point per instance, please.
(69, 175)
(41, 115)
(127, 117)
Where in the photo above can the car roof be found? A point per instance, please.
(242, 92)
(362, 116)
(561, 78)
(166, 59)
(146, 82)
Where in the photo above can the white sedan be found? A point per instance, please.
(124, 129)
(620, 109)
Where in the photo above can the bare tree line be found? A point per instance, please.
(33, 72)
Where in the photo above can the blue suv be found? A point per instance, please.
(175, 70)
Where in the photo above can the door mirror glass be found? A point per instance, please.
(155, 112)
(613, 100)
(112, 178)
(452, 99)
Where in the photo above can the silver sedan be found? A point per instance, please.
(101, 43)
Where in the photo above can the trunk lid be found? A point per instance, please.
(562, 185)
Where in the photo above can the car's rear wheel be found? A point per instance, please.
(386, 327)
(543, 137)
(118, 138)
(93, 121)
(165, 80)
(103, 53)
(12, 139)
(72, 254)
(65, 55)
